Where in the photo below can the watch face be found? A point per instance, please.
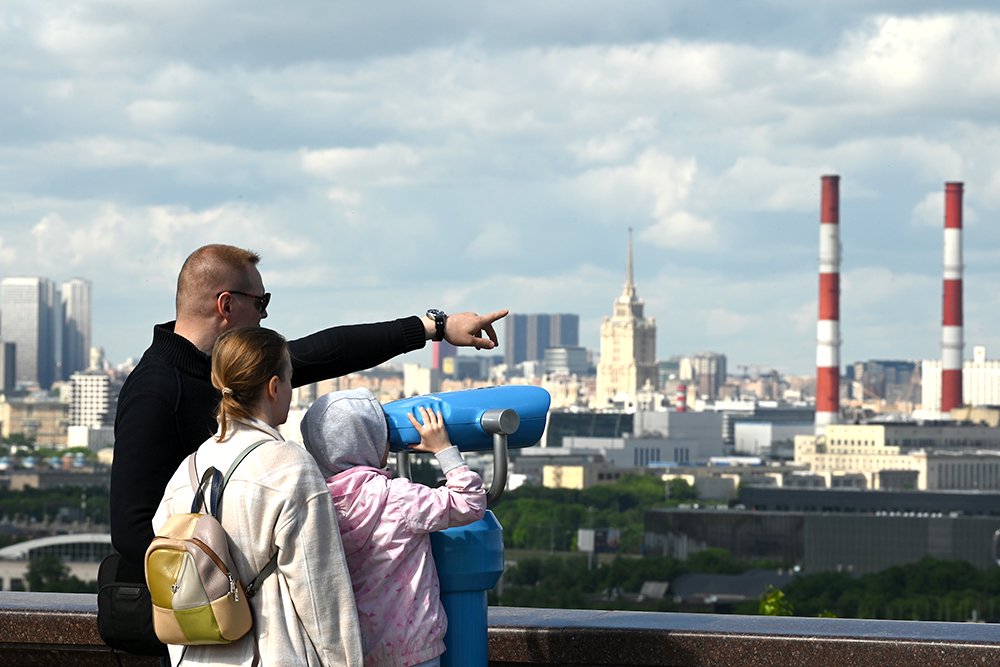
(439, 318)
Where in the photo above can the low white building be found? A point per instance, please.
(964, 470)
(420, 380)
(763, 438)
(980, 381)
(659, 437)
(81, 553)
(941, 457)
(94, 439)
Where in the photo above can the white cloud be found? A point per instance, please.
(146, 243)
(345, 197)
(900, 59)
(155, 113)
(89, 153)
(381, 165)
(929, 211)
(725, 323)
(803, 319)
(617, 146)
(655, 187)
(875, 289)
(755, 182)
(680, 230)
(68, 30)
(99, 242)
(497, 243)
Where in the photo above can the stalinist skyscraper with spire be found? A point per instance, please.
(628, 348)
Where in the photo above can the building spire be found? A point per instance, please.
(629, 278)
(628, 305)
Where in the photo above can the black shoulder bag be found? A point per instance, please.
(125, 611)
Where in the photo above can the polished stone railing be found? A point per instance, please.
(61, 630)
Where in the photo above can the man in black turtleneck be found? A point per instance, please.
(166, 406)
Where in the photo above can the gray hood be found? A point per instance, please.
(344, 429)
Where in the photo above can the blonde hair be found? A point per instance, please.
(210, 269)
(243, 362)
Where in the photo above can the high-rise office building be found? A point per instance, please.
(441, 351)
(628, 347)
(567, 361)
(30, 318)
(709, 369)
(528, 336)
(76, 311)
(8, 368)
(90, 403)
(890, 380)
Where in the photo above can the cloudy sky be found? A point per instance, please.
(486, 155)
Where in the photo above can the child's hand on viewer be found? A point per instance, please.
(433, 436)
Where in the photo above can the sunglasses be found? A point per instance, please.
(259, 301)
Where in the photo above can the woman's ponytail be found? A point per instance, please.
(243, 362)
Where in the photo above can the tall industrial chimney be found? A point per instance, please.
(828, 326)
(951, 331)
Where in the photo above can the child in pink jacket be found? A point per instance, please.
(384, 522)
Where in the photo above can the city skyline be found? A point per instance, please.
(495, 158)
(48, 324)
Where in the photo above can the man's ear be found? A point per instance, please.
(224, 305)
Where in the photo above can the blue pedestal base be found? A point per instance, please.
(469, 562)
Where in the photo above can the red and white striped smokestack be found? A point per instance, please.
(828, 326)
(951, 330)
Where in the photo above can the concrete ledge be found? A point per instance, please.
(61, 630)
(56, 629)
(519, 636)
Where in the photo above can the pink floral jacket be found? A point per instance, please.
(384, 525)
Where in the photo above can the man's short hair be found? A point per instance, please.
(209, 270)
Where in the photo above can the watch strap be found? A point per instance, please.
(439, 318)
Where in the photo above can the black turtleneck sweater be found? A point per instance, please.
(166, 410)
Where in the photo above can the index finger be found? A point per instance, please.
(489, 319)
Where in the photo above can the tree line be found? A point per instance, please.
(927, 590)
(64, 503)
(539, 518)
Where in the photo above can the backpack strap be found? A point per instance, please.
(242, 455)
(193, 470)
(265, 572)
(199, 485)
(218, 484)
(229, 473)
(213, 479)
(271, 565)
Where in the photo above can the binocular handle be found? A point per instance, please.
(501, 423)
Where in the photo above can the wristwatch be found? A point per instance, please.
(439, 317)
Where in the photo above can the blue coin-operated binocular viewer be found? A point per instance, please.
(469, 558)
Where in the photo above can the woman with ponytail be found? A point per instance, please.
(275, 502)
